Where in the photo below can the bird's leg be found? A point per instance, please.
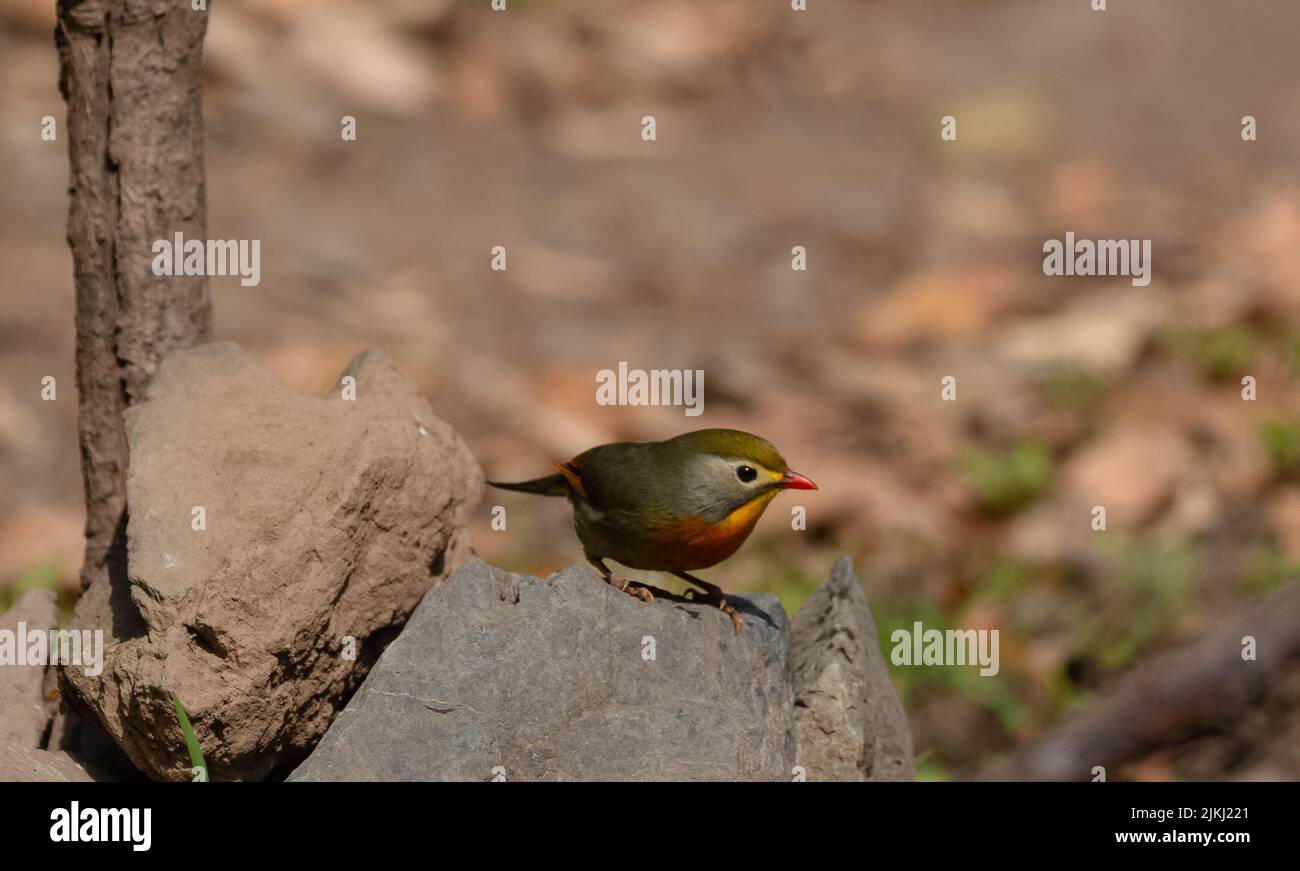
(712, 592)
(623, 586)
(712, 596)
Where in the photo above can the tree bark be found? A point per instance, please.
(130, 75)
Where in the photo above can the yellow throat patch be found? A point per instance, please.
(738, 523)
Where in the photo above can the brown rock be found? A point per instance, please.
(849, 722)
(24, 713)
(19, 764)
(326, 520)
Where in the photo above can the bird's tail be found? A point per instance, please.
(551, 485)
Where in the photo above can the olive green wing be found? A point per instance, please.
(626, 477)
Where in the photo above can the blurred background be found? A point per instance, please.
(775, 129)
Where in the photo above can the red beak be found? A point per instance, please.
(795, 481)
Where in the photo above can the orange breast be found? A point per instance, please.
(698, 544)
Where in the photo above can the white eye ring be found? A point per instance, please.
(747, 474)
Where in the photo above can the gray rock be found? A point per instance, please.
(19, 764)
(326, 519)
(24, 711)
(530, 679)
(849, 722)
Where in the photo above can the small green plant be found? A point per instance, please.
(1003, 579)
(1282, 444)
(38, 576)
(1151, 590)
(1266, 569)
(928, 767)
(1062, 693)
(198, 767)
(1219, 353)
(1291, 355)
(1073, 389)
(1007, 481)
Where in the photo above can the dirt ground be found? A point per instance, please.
(775, 129)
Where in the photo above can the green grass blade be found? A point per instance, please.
(196, 752)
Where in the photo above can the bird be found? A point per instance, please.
(675, 506)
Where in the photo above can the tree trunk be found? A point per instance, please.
(130, 75)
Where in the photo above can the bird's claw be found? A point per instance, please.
(730, 612)
(635, 590)
(722, 604)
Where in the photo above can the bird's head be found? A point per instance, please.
(729, 469)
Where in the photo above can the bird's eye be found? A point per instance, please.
(746, 473)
